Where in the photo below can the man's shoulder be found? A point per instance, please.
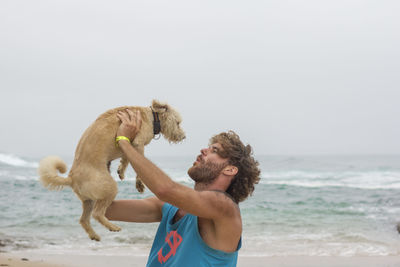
(226, 202)
(225, 194)
(222, 232)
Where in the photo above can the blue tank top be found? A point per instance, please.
(180, 244)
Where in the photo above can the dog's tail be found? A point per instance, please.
(48, 172)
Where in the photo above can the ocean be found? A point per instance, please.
(303, 206)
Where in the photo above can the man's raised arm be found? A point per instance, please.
(135, 210)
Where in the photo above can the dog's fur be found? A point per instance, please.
(90, 176)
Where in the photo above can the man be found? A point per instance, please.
(200, 226)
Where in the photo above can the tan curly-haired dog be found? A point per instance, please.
(90, 176)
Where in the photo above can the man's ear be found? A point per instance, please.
(230, 170)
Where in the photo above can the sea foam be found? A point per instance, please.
(352, 179)
(16, 161)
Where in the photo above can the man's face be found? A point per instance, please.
(208, 165)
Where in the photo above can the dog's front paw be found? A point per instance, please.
(139, 185)
(121, 173)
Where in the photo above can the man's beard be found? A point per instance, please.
(206, 172)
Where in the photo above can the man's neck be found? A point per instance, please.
(221, 183)
(211, 186)
(200, 187)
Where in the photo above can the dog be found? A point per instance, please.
(90, 176)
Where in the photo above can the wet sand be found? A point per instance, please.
(25, 259)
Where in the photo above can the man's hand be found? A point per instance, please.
(130, 123)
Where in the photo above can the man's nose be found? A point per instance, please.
(204, 151)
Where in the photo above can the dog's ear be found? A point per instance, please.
(159, 106)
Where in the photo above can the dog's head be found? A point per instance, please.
(170, 121)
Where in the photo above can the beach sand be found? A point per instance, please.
(73, 260)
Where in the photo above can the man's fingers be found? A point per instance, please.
(129, 117)
(138, 117)
(119, 116)
(123, 116)
(130, 113)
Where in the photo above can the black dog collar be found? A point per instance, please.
(156, 123)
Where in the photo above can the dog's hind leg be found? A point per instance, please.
(87, 206)
(99, 212)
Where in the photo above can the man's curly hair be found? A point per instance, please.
(240, 156)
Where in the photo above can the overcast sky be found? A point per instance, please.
(290, 77)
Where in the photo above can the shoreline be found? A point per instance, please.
(39, 259)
